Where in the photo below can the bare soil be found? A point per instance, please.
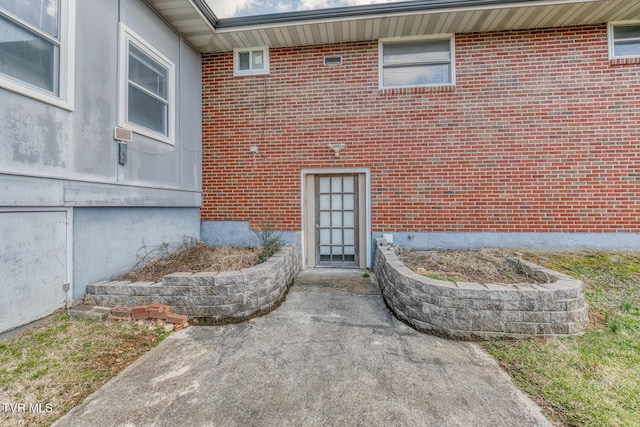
(476, 265)
(192, 256)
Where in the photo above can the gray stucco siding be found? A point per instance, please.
(56, 160)
(107, 240)
(42, 140)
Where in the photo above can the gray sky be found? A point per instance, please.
(229, 8)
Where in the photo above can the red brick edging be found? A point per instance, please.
(151, 311)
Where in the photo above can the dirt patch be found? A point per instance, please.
(481, 266)
(193, 256)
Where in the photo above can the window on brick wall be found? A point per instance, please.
(37, 49)
(251, 61)
(416, 62)
(624, 40)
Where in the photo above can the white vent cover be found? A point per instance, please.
(332, 60)
(122, 134)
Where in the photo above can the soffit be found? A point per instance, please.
(198, 28)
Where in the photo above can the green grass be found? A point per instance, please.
(62, 361)
(592, 379)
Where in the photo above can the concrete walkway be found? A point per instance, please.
(331, 355)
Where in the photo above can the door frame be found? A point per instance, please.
(365, 226)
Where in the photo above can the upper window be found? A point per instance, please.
(416, 62)
(146, 89)
(37, 48)
(624, 40)
(251, 61)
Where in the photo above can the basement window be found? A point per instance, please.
(624, 40)
(251, 61)
(416, 62)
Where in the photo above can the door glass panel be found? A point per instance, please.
(325, 219)
(348, 201)
(325, 237)
(348, 236)
(325, 185)
(336, 201)
(348, 219)
(336, 219)
(336, 236)
(347, 184)
(325, 202)
(336, 184)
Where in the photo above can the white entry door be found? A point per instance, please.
(336, 220)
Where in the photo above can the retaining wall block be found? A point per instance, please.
(209, 298)
(229, 278)
(472, 310)
(177, 279)
(205, 278)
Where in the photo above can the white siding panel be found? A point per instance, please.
(324, 35)
(623, 10)
(345, 31)
(544, 16)
(279, 37)
(376, 29)
(525, 16)
(494, 20)
(415, 25)
(187, 20)
(353, 31)
(308, 35)
(399, 32)
(426, 19)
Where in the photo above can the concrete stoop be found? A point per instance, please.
(208, 297)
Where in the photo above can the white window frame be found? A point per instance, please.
(610, 31)
(66, 66)
(127, 36)
(452, 44)
(251, 72)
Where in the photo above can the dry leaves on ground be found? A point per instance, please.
(190, 255)
(473, 265)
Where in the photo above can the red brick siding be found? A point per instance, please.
(540, 134)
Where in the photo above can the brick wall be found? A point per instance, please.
(540, 134)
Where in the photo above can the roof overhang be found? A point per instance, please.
(202, 29)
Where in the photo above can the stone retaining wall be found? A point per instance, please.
(209, 298)
(471, 310)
